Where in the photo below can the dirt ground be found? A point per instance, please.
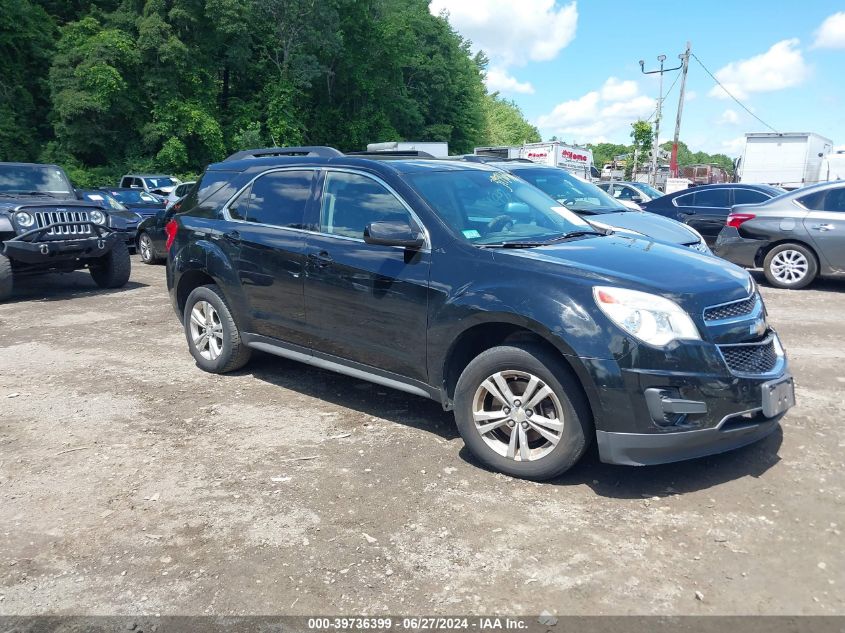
(131, 482)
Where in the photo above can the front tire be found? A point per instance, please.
(112, 270)
(212, 334)
(520, 411)
(6, 279)
(790, 266)
(147, 250)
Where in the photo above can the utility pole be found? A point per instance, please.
(684, 57)
(656, 149)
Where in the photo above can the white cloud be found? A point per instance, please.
(831, 34)
(499, 80)
(599, 114)
(782, 66)
(729, 117)
(614, 89)
(512, 33)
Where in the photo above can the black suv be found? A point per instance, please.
(462, 283)
(44, 228)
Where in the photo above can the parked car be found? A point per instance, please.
(117, 210)
(794, 237)
(45, 228)
(143, 203)
(151, 238)
(706, 207)
(592, 203)
(160, 184)
(179, 191)
(462, 283)
(637, 192)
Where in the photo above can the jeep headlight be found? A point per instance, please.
(24, 219)
(650, 318)
(97, 216)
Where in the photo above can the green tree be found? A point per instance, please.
(505, 123)
(642, 138)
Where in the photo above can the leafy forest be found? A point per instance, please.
(103, 87)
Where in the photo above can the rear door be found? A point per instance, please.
(366, 303)
(825, 223)
(708, 211)
(267, 228)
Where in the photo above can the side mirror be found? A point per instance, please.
(393, 233)
(135, 187)
(637, 199)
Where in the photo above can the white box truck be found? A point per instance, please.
(789, 160)
(576, 160)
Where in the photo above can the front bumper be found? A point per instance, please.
(37, 247)
(737, 249)
(653, 416)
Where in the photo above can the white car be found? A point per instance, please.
(179, 191)
(157, 184)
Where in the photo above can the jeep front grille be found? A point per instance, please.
(46, 218)
(751, 358)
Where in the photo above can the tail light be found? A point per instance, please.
(736, 219)
(170, 228)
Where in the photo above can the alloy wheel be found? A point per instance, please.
(789, 266)
(206, 330)
(146, 247)
(518, 415)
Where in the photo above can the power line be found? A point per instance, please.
(728, 92)
(668, 92)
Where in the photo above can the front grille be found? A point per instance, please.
(45, 218)
(732, 310)
(751, 358)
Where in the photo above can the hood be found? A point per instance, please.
(692, 279)
(650, 225)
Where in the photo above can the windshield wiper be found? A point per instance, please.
(535, 243)
(571, 235)
(29, 193)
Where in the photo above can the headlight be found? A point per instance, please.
(97, 217)
(24, 219)
(650, 318)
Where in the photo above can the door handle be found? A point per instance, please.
(233, 236)
(823, 227)
(320, 259)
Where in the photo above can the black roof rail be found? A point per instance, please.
(396, 153)
(307, 150)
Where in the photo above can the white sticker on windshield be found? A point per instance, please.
(95, 196)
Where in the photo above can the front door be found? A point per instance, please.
(709, 212)
(826, 224)
(365, 303)
(267, 222)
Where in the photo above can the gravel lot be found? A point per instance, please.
(132, 482)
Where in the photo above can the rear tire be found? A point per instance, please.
(112, 270)
(547, 411)
(790, 266)
(213, 336)
(147, 250)
(6, 279)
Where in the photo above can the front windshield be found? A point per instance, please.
(650, 191)
(488, 207)
(159, 182)
(133, 196)
(33, 178)
(576, 195)
(104, 199)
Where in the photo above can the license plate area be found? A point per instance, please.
(778, 396)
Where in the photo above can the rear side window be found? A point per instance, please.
(748, 196)
(126, 182)
(711, 198)
(351, 202)
(813, 201)
(214, 188)
(277, 198)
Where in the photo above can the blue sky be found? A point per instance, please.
(573, 66)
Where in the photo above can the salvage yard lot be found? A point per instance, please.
(132, 482)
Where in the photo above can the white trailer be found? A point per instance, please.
(435, 148)
(788, 160)
(576, 160)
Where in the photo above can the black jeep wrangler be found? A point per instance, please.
(45, 228)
